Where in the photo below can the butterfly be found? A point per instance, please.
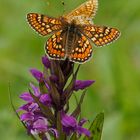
(73, 33)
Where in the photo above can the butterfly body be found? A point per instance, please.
(73, 33)
(70, 42)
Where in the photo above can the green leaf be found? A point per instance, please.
(54, 94)
(46, 73)
(96, 128)
(56, 70)
(62, 135)
(42, 136)
(69, 89)
(42, 87)
(67, 107)
(74, 137)
(77, 110)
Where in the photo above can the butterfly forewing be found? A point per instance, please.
(55, 46)
(84, 13)
(100, 35)
(43, 24)
(82, 51)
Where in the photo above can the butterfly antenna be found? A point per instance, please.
(64, 8)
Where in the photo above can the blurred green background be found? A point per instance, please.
(116, 68)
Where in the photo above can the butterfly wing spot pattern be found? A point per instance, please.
(42, 24)
(101, 35)
(82, 52)
(84, 13)
(54, 46)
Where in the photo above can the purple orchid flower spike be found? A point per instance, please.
(42, 125)
(46, 62)
(27, 117)
(46, 99)
(50, 100)
(37, 74)
(70, 125)
(79, 84)
(39, 77)
(26, 97)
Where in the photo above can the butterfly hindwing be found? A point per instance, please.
(54, 47)
(100, 35)
(82, 51)
(43, 24)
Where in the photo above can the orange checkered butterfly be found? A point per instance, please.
(73, 33)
